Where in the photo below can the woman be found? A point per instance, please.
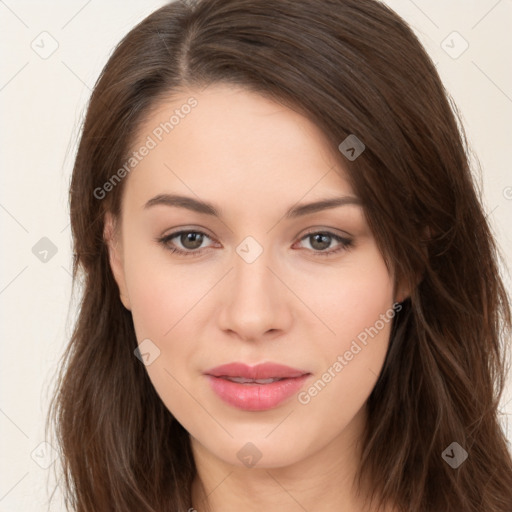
(291, 293)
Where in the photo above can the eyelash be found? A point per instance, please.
(345, 243)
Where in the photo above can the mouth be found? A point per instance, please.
(257, 388)
(243, 380)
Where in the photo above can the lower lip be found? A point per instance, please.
(256, 397)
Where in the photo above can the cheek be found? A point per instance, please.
(368, 294)
(356, 303)
(161, 295)
(350, 298)
(163, 301)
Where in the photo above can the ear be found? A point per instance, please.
(404, 290)
(112, 239)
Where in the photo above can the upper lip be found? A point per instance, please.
(260, 371)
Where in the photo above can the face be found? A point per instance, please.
(253, 278)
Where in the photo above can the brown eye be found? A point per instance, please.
(320, 241)
(187, 243)
(191, 239)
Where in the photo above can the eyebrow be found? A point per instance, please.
(207, 208)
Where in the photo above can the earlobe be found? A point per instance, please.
(111, 237)
(402, 294)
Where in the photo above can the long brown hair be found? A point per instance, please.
(352, 67)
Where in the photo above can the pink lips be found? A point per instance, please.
(259, 387)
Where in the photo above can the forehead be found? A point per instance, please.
(226, 141)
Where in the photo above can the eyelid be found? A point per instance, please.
(322, 229)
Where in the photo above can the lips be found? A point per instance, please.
(260, 371)
(255, 388)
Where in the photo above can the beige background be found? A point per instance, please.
(42, 99)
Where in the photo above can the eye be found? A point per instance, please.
(319, 241)
(190, 242)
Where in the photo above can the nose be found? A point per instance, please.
(256, 303)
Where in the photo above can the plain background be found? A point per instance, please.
(42, 100)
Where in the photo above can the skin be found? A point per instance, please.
(253, 159)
